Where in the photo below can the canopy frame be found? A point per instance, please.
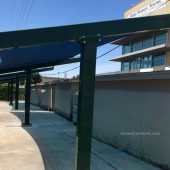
(89, 35)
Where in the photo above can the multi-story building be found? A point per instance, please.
(149, 51)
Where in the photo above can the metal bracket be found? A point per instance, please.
(84, 39)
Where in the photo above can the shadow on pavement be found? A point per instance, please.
(54, 136)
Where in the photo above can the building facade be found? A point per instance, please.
(147, 51)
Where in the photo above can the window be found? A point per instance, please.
(143, 62)
(126, 49)
(135, 64)
(160, 37)
(125, 65)
(148, 42)
(146, 62)
(159, 60)
(137, 45)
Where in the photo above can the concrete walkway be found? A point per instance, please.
(50, 144)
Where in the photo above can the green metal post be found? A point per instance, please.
(11, 92)
(27, 97)
(85, 102)
(16, 93)
(8, 91)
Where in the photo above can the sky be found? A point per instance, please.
(26, 14)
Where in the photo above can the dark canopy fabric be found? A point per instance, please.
(42, 55)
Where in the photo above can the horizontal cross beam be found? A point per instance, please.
(21, 73)
(6, 79)
(73, 32)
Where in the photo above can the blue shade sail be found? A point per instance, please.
(42, 55)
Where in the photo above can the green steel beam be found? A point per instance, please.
(85, 102)
(22, 73)
(16, 93)
(36, 70)
(11, 92)
(73, 32)
(70, 61)
(27, 98)
(8, 90)
(4, 79)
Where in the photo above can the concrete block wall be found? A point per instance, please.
(56, 97)
(131, 115)
(46, 96)
(35, 95)
(63, 99)
(127, 113)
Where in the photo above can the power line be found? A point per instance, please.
(108, 51)
(79, 66)
(29, 12)
(12, 12)
(20, 13)
(96, 58)
(25, 9)
(69, 70)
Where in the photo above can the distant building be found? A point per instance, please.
(49, 80)
(149, 51)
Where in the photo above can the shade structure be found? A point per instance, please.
(42, 55)
(48, 46)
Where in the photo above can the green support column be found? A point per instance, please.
(11, 92)
(27, 98)
(8, 91)
(16, 93)
(85, 102)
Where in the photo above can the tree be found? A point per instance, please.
(22, 82)
(36, 78)
(75, 77)
(3, 91)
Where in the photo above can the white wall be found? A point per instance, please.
(126, 106)
(135, 106)
(63, 99)
(34, 95)
(46, 96)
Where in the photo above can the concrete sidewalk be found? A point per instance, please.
(50, 144)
